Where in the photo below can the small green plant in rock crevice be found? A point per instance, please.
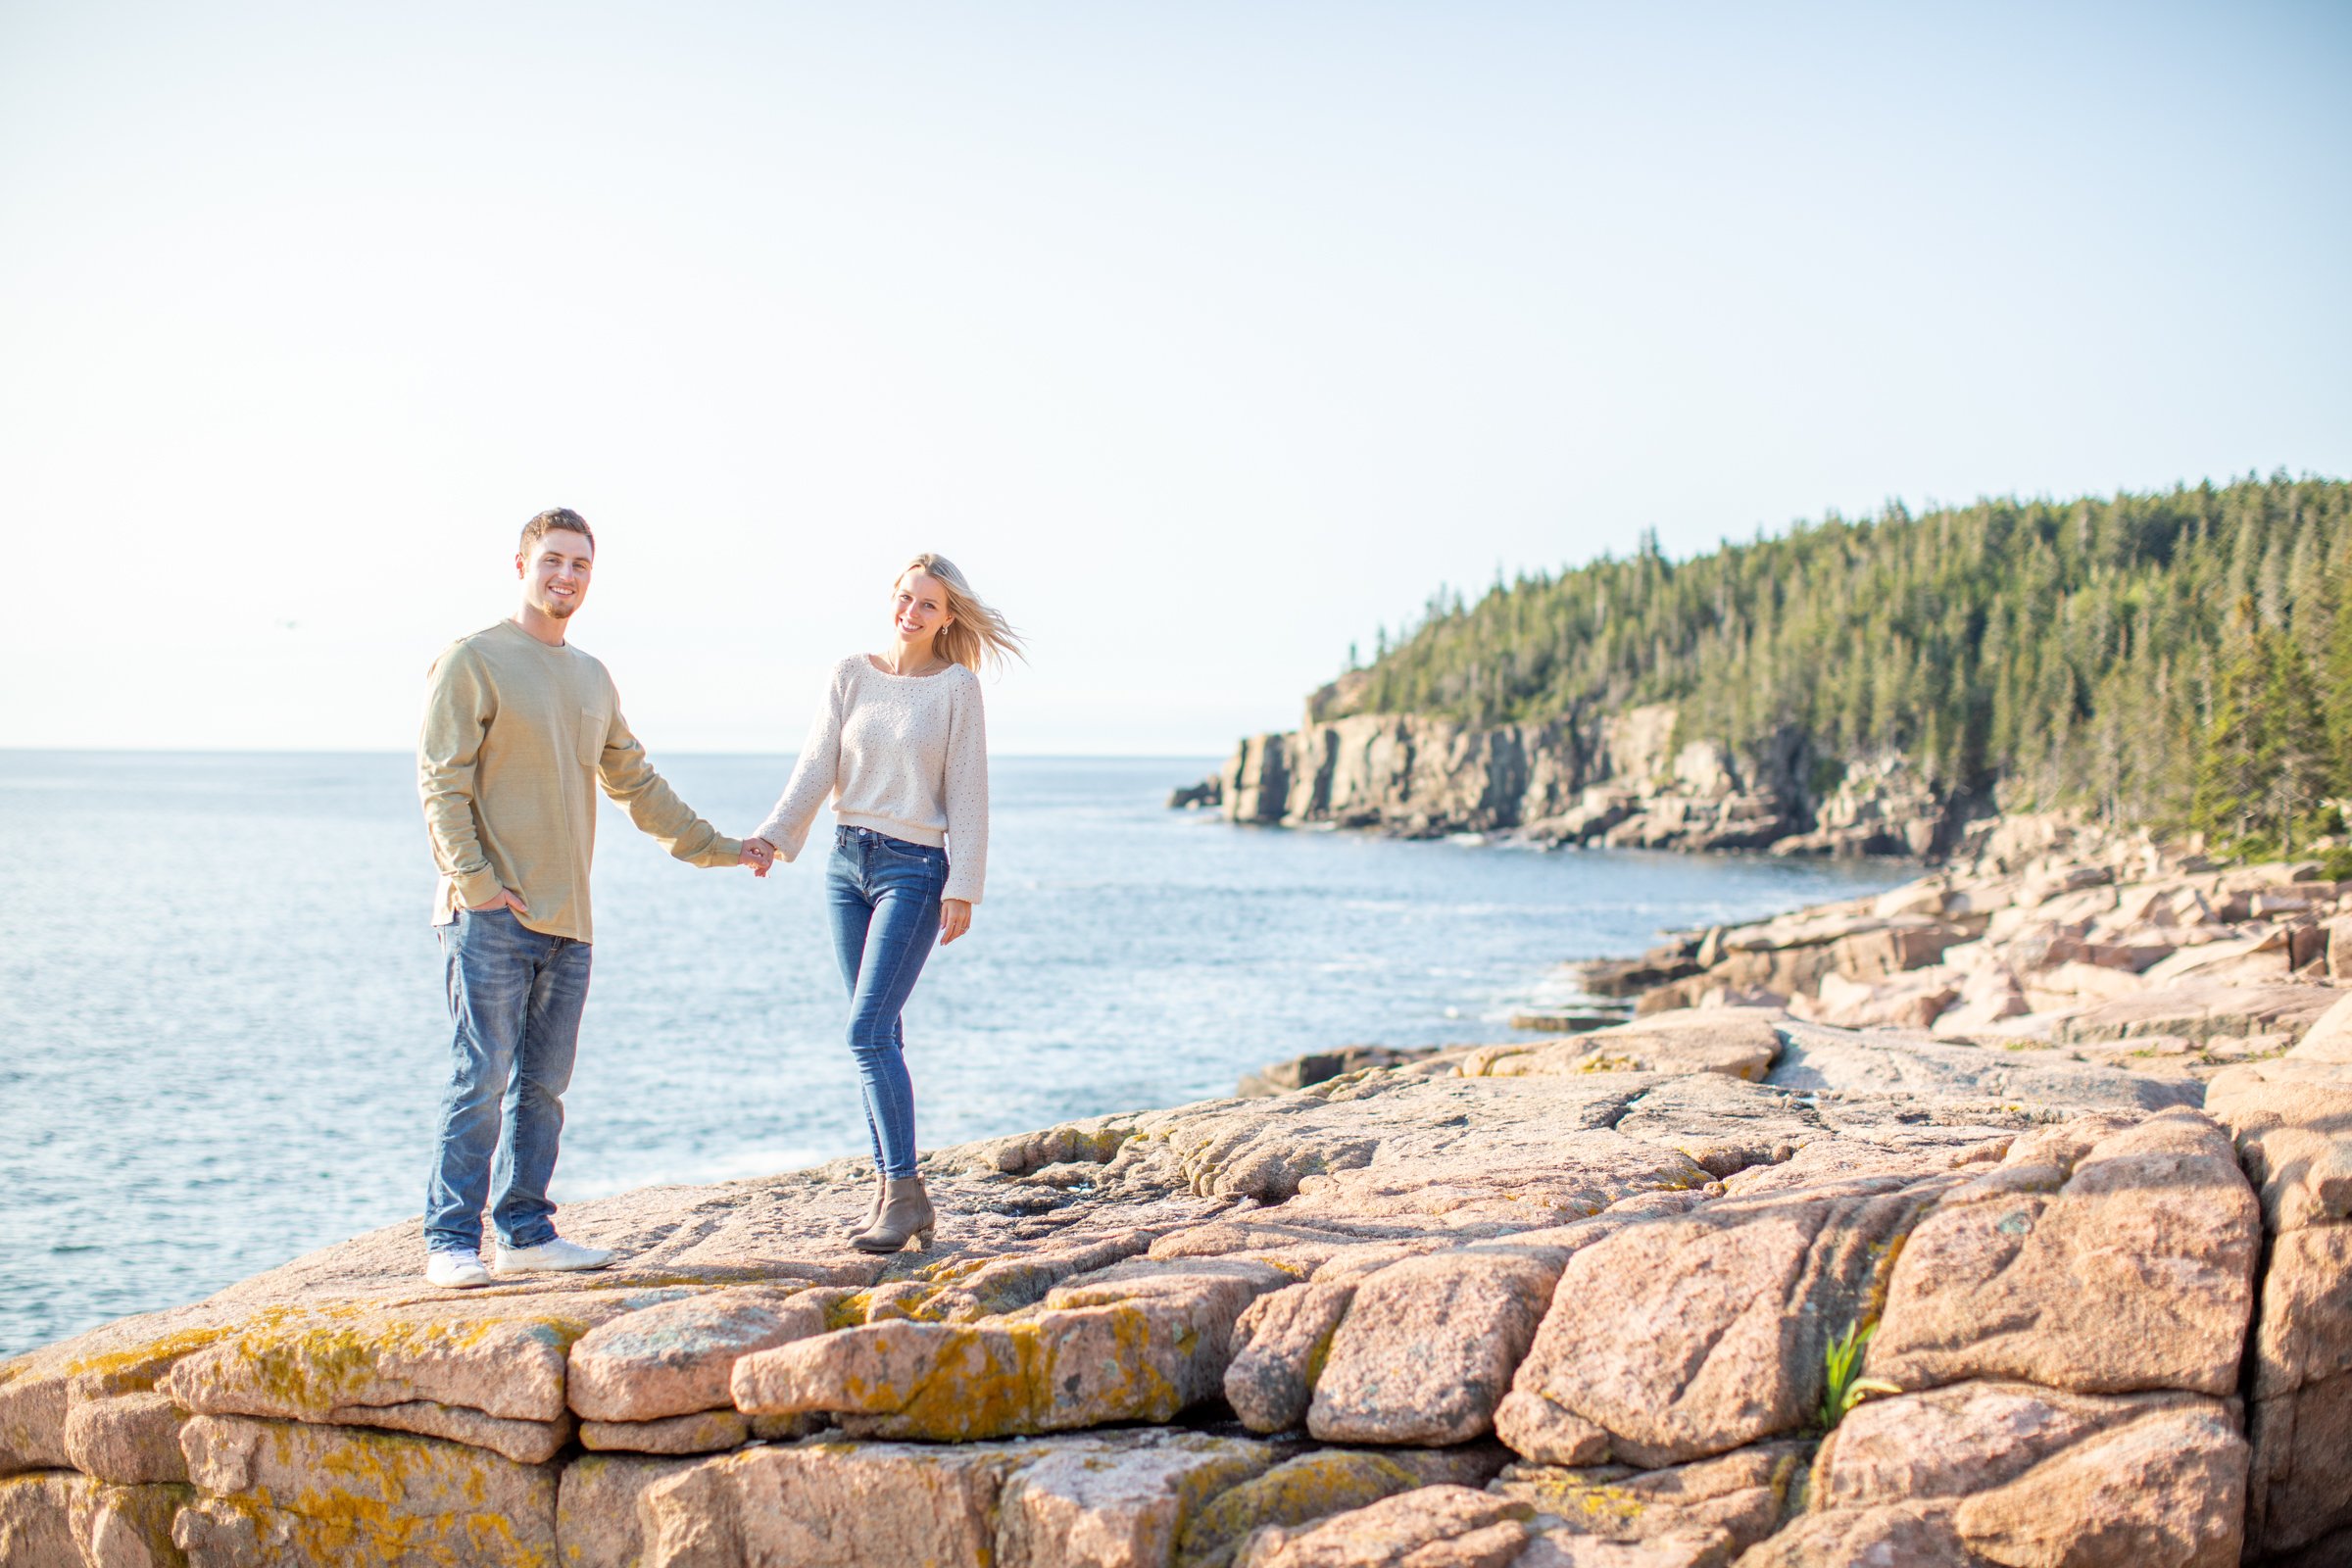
(1840, 1387)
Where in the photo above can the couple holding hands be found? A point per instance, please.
(522, 729)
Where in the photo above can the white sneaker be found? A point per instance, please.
(555, 1255)
(455, 1271)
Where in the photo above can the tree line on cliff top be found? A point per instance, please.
(2181, 660)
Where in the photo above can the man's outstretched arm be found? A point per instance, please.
(628, 776)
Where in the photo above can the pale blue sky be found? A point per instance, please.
(1206, 336)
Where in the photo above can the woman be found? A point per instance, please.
(901, 750)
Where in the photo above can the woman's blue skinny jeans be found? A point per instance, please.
(883, 895)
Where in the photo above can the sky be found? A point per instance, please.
(1207, 338)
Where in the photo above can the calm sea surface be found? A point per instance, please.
(221, 1027)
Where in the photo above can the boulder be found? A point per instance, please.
(2301, 1481)
(1428, 1346)
(1131, 1361)
(36, 1517)
(1711, 1509)
(1738, 1041)
(597, 1523)
(1280, 1345)
(1969, 1438)
(704, 1432)
(2152, 1219)
(1907, 1534)
(127, 1527)
(1694, 1334)
(853, 1504)
(1296, 1492)
(2293, 1122)
(2328, 1039)
(2197, 1010)
(1321, 1066)
(1910, 1003)
(1989, 996)
(674, 1358)
(1127, 1507)
(1429, 1526)
(2301, 1418)
(495, 1356)
(287, 1493)
(131, 1438)
(2165, 1490)
(1900, 945)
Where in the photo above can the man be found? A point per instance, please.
(520, 728)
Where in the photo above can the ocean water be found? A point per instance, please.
(222, 1031)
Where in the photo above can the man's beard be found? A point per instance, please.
(558, 608)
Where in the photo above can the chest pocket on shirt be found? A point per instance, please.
(594, 723)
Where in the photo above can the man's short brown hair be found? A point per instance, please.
(555, 519)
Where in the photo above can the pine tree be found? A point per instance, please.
(2232, 782)
(2294, 742)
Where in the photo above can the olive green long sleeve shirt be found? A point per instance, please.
(517, 736)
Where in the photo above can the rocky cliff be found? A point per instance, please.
(1617, 778)
(1726, 1287)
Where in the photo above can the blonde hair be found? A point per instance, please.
(977, 633)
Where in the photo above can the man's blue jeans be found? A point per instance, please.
(883, 895)
(515, 996)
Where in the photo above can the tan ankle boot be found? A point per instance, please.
(906, 1212)
(873, 1210)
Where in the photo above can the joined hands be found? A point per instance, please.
(758, 855)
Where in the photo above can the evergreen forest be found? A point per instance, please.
(2178, 661)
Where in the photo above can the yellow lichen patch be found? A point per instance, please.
(135, 1369)
(849, 1311)
(367, 1497)
(1011, 1377)
(1318, 1355)
(1589, 1507)
(443, 1540)
(1305, 1489)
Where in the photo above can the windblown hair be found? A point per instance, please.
(978, 634)
(555, 519)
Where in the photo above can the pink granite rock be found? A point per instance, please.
(132, 1439)
(1122, 1505)
(1708, 1510)
(1281, 1342)
(1314, 1485)
(1135, 1360)
(2166, 1491)
(597, 1523)
(1429, 1526)
(292, 1493)
(2152, 1220)
(675, 1358)
(1703, 1332)
(703, 1432)
(864, 1504)
(2292, 1121)
(502, 1355)
(36, 1517)
(1428, 1346)
(130, 1527)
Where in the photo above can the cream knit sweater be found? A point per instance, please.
(904, 755)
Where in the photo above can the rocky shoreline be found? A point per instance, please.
(1615, 778)
(2005, 1218)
